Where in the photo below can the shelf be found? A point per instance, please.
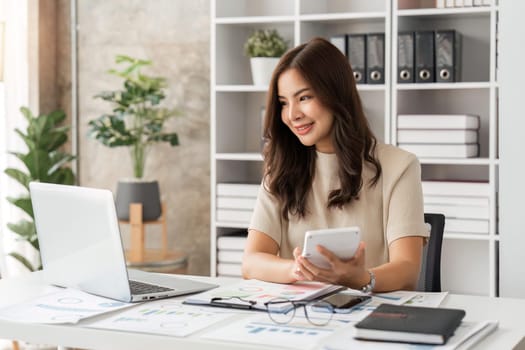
(470, 236)
(254, 20)
(349, 16)
(446, 86)
(239, 156)
(456, 12)
(222, 224)
(371, 87)
(459, 161)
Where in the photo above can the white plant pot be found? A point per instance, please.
(262, 69)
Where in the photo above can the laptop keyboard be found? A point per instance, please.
(146, 288)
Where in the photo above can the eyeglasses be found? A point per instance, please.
(282, 311)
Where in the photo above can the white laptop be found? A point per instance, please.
(81, 247)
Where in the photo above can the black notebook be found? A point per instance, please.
(409, 324)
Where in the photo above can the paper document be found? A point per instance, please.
(166, 317)
(63, 306)
(259, 329)
(259, 292)
(427, 299)
(397, 297)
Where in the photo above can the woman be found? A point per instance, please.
(323, 168)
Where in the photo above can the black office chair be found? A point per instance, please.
(430, 275)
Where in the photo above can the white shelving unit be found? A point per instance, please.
(469, 260)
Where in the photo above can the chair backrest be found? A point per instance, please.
(430, 275)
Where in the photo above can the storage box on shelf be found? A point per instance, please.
(439, 135)
(230, 248)
(464, 204)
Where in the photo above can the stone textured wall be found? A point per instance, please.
(175, 35)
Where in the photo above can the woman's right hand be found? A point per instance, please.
(297, 266)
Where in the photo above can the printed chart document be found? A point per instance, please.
(254, 293)
(61, 306)
(401, 297)
(166, 317)
(259, 329)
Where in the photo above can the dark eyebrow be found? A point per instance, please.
(298, 92)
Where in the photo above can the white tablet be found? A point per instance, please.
(343, 242)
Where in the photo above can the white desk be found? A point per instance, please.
(509, 312)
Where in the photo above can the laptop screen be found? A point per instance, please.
(79, 238)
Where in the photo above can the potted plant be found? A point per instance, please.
(136, 121)
(264, 47)
(44, 162)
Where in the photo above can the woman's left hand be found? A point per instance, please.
(350, 272)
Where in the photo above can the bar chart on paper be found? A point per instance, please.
(259, 329)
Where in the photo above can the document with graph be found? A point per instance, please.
(60, 305)
(165, 317)
(260, 329)
(252, 294)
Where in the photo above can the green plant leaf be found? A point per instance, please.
(138, 119)
(172, 138)
(19, 176)
(58, 159)
(44, 162)
(37, 162)
(23, 203)
(62, 176)
(56, 117)
(24, 261)
(26, 112)
(30, 143)
(265, 43)
(26, 230)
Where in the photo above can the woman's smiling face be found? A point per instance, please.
(303, 113)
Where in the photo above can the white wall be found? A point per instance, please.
(16, 94)
(512, 146)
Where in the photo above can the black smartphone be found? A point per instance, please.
(346, 301)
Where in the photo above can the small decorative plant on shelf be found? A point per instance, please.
(44, 162)
(264, 47)
(136, 121)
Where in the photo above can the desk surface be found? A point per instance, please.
(509, 313)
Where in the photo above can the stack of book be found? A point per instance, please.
(230, 248)
(465, 204)
(236, 201)
(439, 135)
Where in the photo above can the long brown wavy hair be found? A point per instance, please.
(289, 166)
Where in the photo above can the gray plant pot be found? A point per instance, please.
(134, 191)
